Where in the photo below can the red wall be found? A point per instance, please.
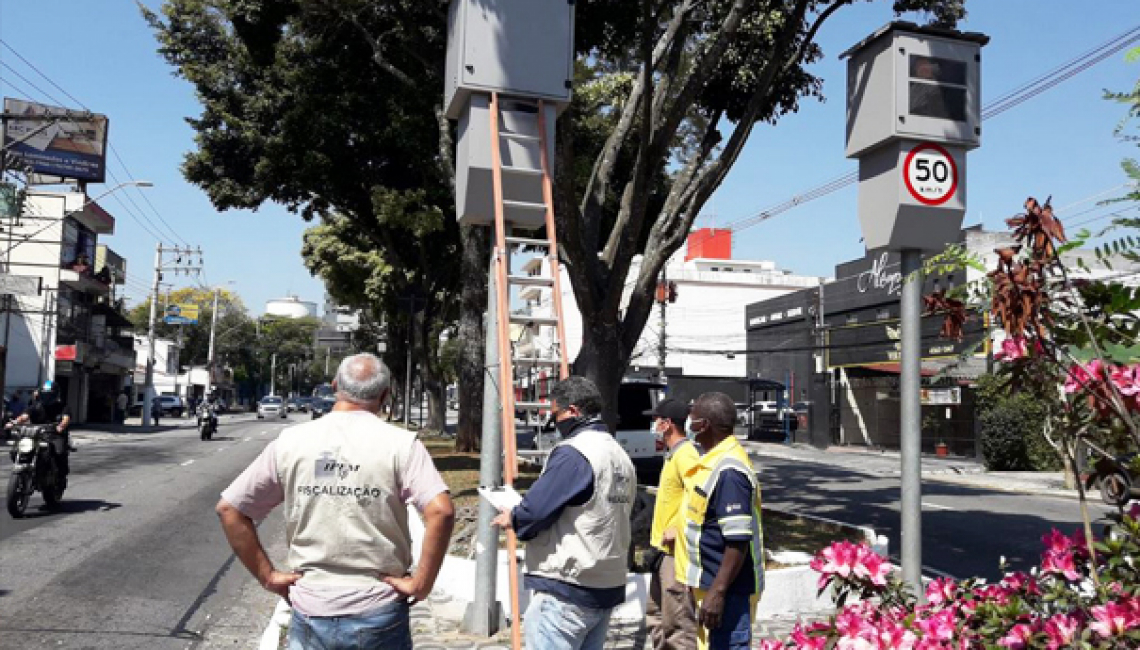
(710, 243)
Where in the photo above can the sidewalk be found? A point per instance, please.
(966, 472)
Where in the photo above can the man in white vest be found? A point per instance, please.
(575, 521)
(345, 480)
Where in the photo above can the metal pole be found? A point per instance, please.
(148, 386)
(210, 354)
(909, 396)
(408, 365)
(484, 614)
(273, 374)
(784, 408)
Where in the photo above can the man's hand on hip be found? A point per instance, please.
(279, 583)
(408, 587)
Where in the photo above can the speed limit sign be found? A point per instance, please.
(930, 174)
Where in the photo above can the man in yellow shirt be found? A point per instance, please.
(670, 615)
(720, 547)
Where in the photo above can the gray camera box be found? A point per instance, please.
(520, 48)
(914, 83)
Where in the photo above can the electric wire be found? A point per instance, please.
(110, 145)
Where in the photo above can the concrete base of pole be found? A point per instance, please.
(484, 619)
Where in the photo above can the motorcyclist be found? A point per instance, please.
(207, 409)
(47, 408)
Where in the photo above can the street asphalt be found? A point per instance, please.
(966, 531)
(135, 557)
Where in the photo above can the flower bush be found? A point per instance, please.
(1072, 600)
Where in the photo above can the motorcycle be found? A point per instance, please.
(35, 469)
(207, 422)
(1115, 477)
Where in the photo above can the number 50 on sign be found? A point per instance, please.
(930, 174)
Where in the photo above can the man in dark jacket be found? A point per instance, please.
(575, 520)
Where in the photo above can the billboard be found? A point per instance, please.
(56, 141)
(181, 314)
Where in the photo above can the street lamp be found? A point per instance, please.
(67, 213)
(213, 329)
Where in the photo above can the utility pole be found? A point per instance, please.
(412, 300)
(210, 354)
(176, 266)
(665, 294)
(273, 374)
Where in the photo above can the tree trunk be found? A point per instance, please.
(603, 361)
(473, 302)
(437, 404)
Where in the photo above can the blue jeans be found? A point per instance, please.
(735, 631)
(551, 623)
(387, 628)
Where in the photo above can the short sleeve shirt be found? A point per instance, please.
(258, 490)
(729, 519)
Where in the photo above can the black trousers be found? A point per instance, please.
(60, 445)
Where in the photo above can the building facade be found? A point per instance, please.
(73, 331)
(701, 328)
(836, 351)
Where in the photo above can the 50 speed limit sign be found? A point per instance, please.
(930, 174)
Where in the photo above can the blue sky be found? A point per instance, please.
(1060, 143)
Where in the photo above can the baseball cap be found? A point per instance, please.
(671, 409)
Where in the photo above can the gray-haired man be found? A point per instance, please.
(344, 480)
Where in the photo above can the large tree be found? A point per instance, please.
(359, 274)
(316, 103)
(300, 108)
(233, 322)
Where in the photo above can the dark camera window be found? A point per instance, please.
(938, 101)
(943, 71)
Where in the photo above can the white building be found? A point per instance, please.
(291, 307)
(64, 324)
(704, 328)
(167, 378)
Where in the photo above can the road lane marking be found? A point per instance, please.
(187, 462)
(220, 450)
(247, 439)
(935, 506)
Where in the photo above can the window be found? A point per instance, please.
(938, 88)
(714, 268)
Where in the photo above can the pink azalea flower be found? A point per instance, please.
(896, 637)
(1056, 541)
(939, 627)
(870, 565)
(1134, 512)
(1114, 619)
(996, 594)
(1084, 377)
(770, 644)
(1127, 380)
(941, 590)
(1018, 637)
(1021, 582)
(1012, 348)
(1062, 630)
(1061, 563)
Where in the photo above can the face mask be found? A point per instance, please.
(689, 432)
(567, 426)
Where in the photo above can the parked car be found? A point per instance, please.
(321, 406)
(296, 404)
(172, 405)
(271, 407)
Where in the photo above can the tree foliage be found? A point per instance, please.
(332, 108)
